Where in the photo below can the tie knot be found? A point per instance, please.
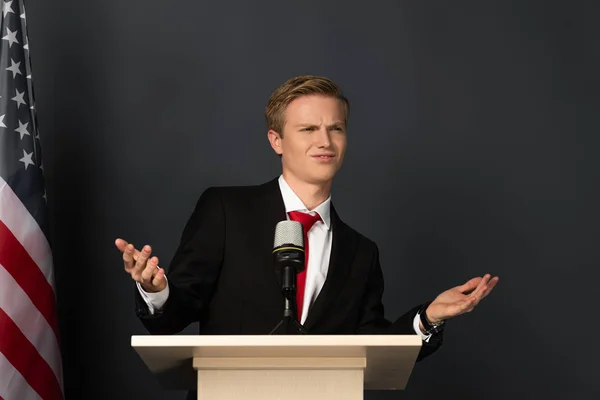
(305, 219)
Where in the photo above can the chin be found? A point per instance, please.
(313, 175)
(322, 178)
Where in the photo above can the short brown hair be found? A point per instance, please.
(296, 87)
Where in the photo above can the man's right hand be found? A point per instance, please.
(142, 269)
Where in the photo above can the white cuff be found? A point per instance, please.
(155, 301)
(417, 330)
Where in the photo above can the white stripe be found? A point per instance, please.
(17, 305)
(12, 384)
(16, 217)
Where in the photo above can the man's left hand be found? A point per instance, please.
(460, 299)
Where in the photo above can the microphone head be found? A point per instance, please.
(289, 233)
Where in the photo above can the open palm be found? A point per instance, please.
(460, 299)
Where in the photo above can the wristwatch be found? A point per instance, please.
(430, 328)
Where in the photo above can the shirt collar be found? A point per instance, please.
(293, 203)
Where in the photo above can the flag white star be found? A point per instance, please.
(22, 129)
(14, 68)
(7, 8)
(27, 159)
(11, 37)
(2, 121)
(19, 98)
(23, 15)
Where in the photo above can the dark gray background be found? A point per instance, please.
(472, 149)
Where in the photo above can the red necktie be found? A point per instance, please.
(307, 222)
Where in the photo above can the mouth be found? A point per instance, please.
(324, 157)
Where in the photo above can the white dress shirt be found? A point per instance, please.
(319, 242)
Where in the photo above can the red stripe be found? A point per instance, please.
(24, 357)
(15, 259)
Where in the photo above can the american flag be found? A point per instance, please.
(30, 361)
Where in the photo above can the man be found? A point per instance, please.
(222, 273)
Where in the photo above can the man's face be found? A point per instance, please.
(314, 139)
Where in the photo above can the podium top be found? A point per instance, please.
(268, 341)
(389, 358)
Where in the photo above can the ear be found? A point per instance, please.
(275, 141)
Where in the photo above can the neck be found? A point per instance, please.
(311, 194)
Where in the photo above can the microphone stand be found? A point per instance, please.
(289, 325)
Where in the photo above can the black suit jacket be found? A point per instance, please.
(222, 274)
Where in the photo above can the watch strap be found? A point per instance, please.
(429, 327)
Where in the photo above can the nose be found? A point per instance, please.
(322, 138)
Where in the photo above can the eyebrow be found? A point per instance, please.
(308, 125)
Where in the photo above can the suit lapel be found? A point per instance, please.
(343, 249)
(267, 209)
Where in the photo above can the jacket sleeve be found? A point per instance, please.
(373, 321)
(194, 270)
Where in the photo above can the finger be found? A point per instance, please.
(142, 259)
(159, 277)
(478, 293)
(481, 287)
(121, 244)
(140, 263)
(482, 291)
(470, 285)
(150, 270)
(492, 283)
(136, 254)
(128, 258)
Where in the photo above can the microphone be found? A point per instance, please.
(288, 246)
(288, 259)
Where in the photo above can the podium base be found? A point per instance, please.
(281, 378)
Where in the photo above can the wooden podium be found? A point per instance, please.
(295, 367)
